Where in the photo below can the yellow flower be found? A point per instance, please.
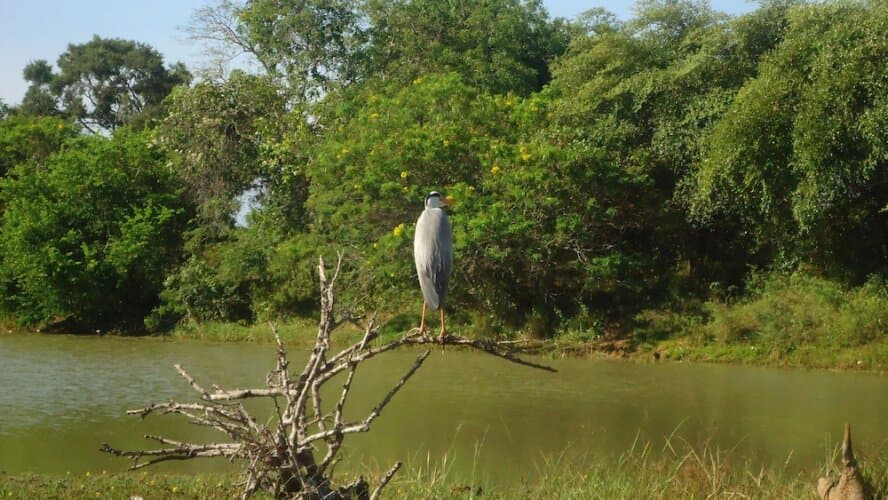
(445, 142)
(524, 154)
(405, 189)
(374, 116)
(417, 81)
(399, 229)
(88, 473)
(175, 489)
(376, 245)
(495, 170)
(404, 174)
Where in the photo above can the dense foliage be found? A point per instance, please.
(600, 167)
(103, 84)
(89, 233)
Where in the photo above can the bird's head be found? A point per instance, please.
(435, 200)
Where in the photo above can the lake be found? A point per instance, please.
(62, 396)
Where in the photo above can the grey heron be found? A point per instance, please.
(433, 252)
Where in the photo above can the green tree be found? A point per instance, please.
(224, 138)
(799, 158)
(26, 139)
(38, 99)
(648, 93)
(310, 44)
(386, 149)
(88, 236)
(498, 46)
(106, 83)
(227, 140)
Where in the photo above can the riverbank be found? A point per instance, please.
(797, 320)
(687, 344)
(679, 472)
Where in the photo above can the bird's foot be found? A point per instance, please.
(443, 336)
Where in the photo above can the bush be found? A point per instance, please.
(788, 311)
(88, 235)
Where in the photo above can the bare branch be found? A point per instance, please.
(364, 425)
(385, 480)
(279, 455)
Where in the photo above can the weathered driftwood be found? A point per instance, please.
(292, 454)
(850, 484)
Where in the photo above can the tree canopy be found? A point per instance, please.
(103, 83)
(600, 166)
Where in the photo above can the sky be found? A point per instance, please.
(42, 29)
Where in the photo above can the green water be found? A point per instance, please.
(62, 396)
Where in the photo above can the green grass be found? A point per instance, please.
(296, 332)
(680, 471)
(796, 320)
(299, 332)
(119, 485)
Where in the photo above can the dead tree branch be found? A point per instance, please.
(279, 456)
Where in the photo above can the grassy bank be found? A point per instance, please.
(797, 320)
(680, 472)
(793, 320)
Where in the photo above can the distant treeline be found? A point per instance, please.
(600, 167)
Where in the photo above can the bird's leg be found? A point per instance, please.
(443, 329)
(422, 326)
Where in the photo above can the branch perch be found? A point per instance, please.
(279, 455)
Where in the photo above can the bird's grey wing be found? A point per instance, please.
(425, 254)
(445, 259)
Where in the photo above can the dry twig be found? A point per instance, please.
(279, 456)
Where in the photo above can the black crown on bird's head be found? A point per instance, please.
(435, 200)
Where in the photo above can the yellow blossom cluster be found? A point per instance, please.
(525, 155)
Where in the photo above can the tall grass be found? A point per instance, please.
(796, 319)
(679, 471)
(788, 311)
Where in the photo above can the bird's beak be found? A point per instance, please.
(449, 201)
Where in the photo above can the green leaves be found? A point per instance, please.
(224, 138)
(89, 235)
(106, 83)
(598, 167)
(796, 157)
